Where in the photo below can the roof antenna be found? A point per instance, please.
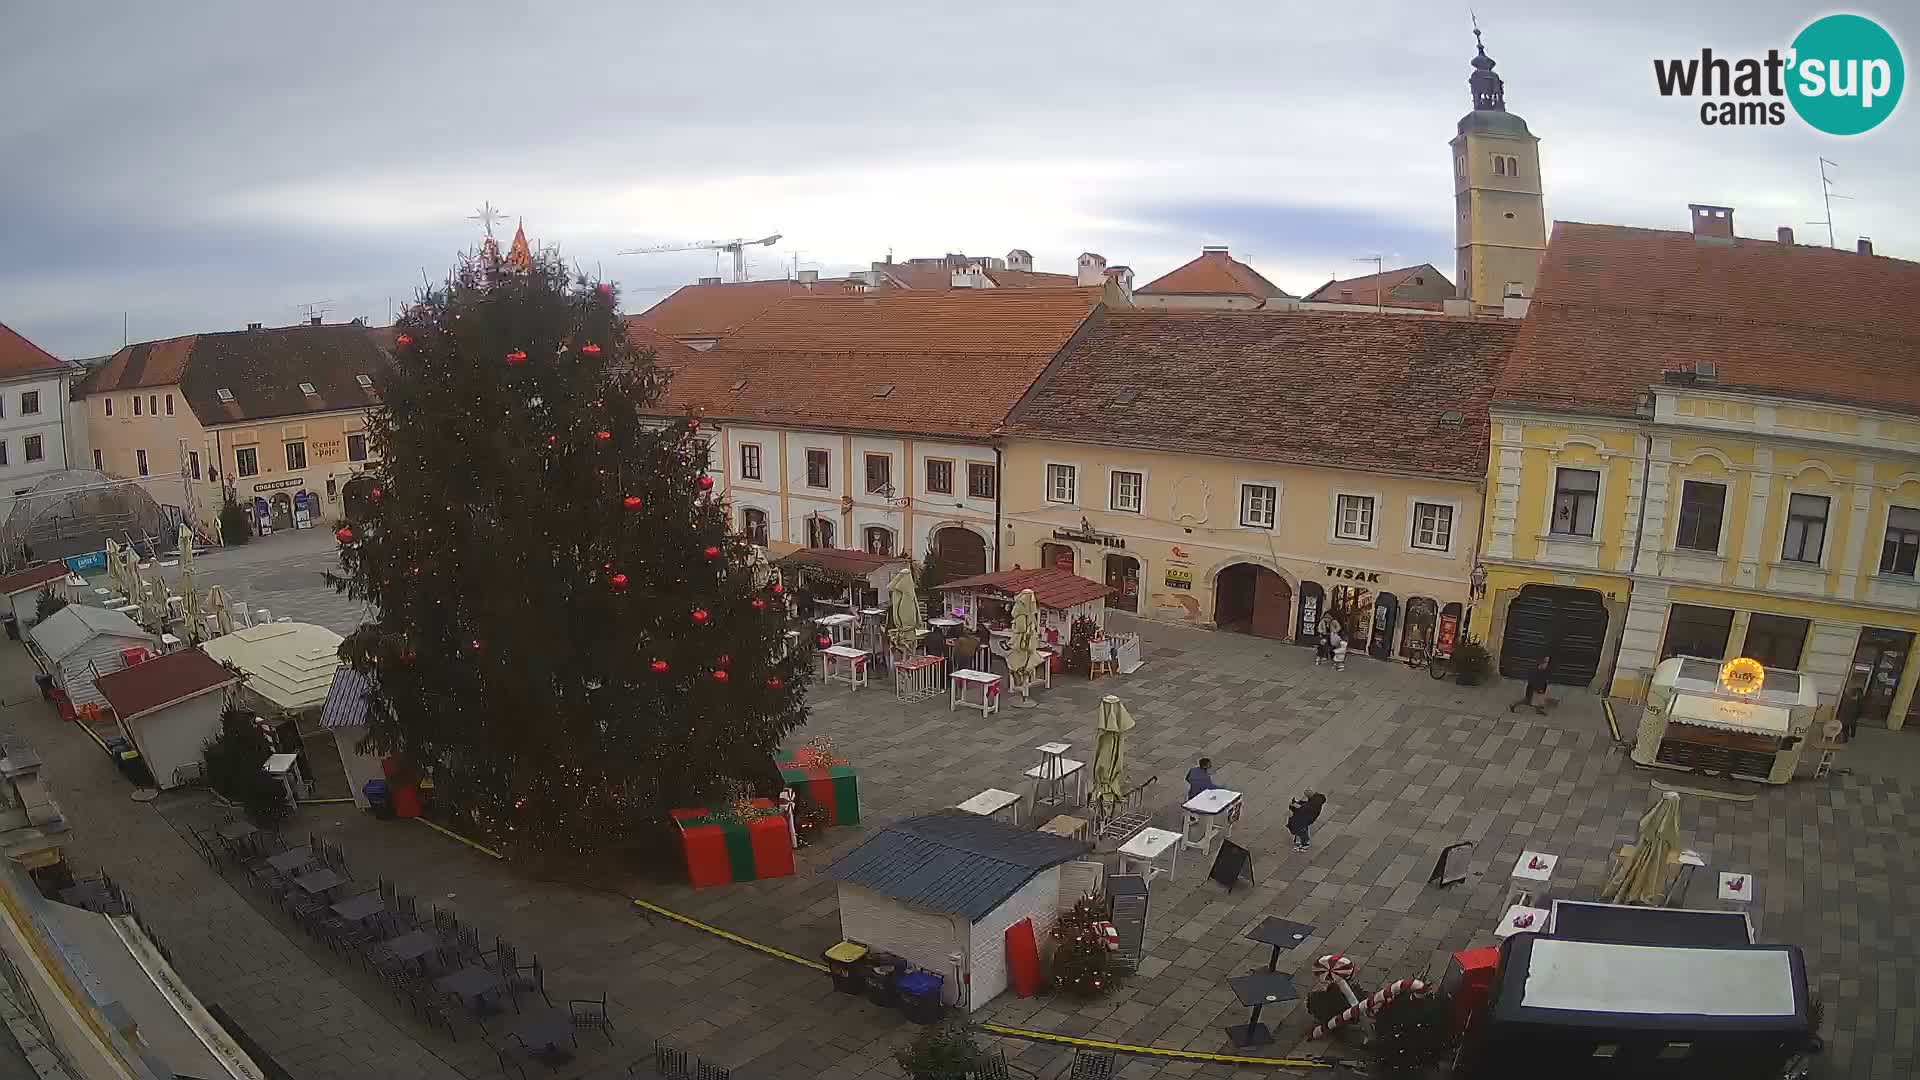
(1827, 196)
(1379, 306)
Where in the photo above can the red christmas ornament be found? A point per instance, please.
(374, 494)
(719, 676)
(343, 534)
(631, 502)
(603, 436)
(618, 583)
(693, 425)
(700, 616)
(477, 645)
(659, 667)
(407, 656)
(711, 553)
(590, 349)
(705, 482)
(553, 440)
(723, 661)
(403, 340)
(604, 290)
(778, 588)
(759, 604)
(823, 641)
(775, 682)
(517, 357)
(413, 571)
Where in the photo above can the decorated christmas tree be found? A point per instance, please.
(1083, 959)
(566, 634)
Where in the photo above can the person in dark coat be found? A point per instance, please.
(1200, 778)
(1301, 814)
(1536, 695)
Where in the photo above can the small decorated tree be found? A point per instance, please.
(946, 1051)
(1410, 1034)
(1083, 956)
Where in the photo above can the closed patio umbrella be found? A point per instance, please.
(1023, 645)
(114, 580)
(1642, 879)
(186, 551)
(217, 607)
(153, 600)
(1110, 755)
(190, 605)
(904, 621)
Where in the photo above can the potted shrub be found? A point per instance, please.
(1471, 662)
(47, 603)
(236, 525)
(946, 1051)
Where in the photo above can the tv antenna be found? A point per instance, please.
(1379, 263)
(314, 309)
(1827, 195)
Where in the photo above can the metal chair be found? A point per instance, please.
(433, 1006)
(445, 923)
(535, 979)
(707, 1070)
(591, 1013)
(467, 942)
(406, 912)
(668, 1061)
(1092, 1065)
(508, 1062)
(1119, 821)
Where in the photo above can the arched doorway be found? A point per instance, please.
(1057, 556)
(1352, 608)
(353, 494)
(1251, 599)
(1570, 624)
(1386, 614)
(1418, 626)
(282, 510)
(1123, 577)
(957, 553)
(1313, 603)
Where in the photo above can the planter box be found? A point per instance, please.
(719, 851)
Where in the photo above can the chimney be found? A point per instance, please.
(1866, 245)
(1786, 235)
(1712, 222)
(709, 281)
(1121, 278)
(808, 277)
(313, 320)
(1214, 249)
(1093, 269)
(970, 276)
(253, 326)
(1020, 259)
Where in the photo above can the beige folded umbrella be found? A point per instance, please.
(1023, 645)
(1110, 755)
(114, 580)
(1642, 879)
(190, 606)
(904, 621)
(217, 607)
(186, 550)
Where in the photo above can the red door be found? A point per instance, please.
(1272, 605)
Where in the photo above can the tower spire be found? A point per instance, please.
(1489, 93)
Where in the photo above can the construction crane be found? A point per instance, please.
(737, 248)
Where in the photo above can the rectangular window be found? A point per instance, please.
(819, 474)
(33, 448)
(981, 481)
(1576, 500)
(246, 461)
(193, 463)
(1776, 640)
(3, 454)
(1697, 631)
(1806, 529)
(749, 461)
(153, 404)
(753, 523)
(1901, 550)
(1702, 507)
(819, 532)
(1126, 491)
(879, 474)
(357, 447)
(1062, 483)
(1353, 519)
(109, 402)
(140, 461)
(30, 403)
(99, 460)
(879, 540)
(136, 404)
(1432, 526)
(296, 456)
(1259, 505)
(939, 476)
(169, 404)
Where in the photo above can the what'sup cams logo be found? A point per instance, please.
(1842, 75)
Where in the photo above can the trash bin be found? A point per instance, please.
(13, 628)
(377, 801)
(44, 681)
(883, 971)
(920, 996)
(843, 962)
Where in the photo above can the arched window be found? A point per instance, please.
(819, 532)
(753, 525)
(1499, 165)
(879, 540)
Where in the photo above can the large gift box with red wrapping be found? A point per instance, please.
(831, 785)
(720, 850)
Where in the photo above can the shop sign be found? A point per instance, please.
(1443, 639)
(1177, 552)
(1179, 579)
(276, 485)
(85, 564)
(1742, 675)
(1085, 535)
(1348, 573)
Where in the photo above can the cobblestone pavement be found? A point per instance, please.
(1408, 765)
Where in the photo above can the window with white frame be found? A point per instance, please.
(1062, 483)
(1900, 552)
(34, 447)
(749, 461)
(1432, 526)
(1259, 505)
(983, 479)
(1806, 529)
(880, 474)
(296, 455)
(753, 524)
(1576, 500)
(879, 540)
(940, 476)
(819, 474)
(140, 461)
(30, 403)
(246, 461)
(1353, 517)
(1126, 491)
(357, 447)
(819, 532)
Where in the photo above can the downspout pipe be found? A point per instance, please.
(999, 485)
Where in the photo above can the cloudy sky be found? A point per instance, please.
(197, 167)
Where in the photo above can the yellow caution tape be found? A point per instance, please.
(999, 1029)
(481, 848)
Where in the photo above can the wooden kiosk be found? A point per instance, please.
(1734, 718)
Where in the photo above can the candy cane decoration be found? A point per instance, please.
(1371, 1006)
(1335, 965)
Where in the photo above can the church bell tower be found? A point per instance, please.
(1500, 225)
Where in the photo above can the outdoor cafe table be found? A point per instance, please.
(543, 1033)
(1208, 808)
(356, 908)
(290, 860)
(412, 946)
(235, 831)
(1257, 990)
(472, 982)
(319, 881)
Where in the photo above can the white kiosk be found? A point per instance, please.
(1734, 718)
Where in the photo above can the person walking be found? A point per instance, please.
(1200, 778)
(1301, 814)
(1339, 650)
(1536, 686)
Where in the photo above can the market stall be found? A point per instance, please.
(78, 643)
(984, 602)
(289, 668)
(845, 580)
(170, 708)
(1735, 718)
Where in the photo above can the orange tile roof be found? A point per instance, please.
(1214, 273)
(956, 360)
(1052, 587)
(34, 578)
(18, 356)
(716, 310)
(668, 352)
(1362, 289)
(1031, 279)
(263, 370)
(1617, 306)
(1279, 386)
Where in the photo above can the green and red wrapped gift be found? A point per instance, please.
(721, 848)
(827, 780)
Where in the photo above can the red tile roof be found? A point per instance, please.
(18, 356)
(1617, 306)
(956, 360)
(1052, 588)
(1214, 273)
(1335, 389)
(668, 352)
(1031, 279)
(262, 369)
(716, 310)
(32, 579)
(163, 681)
(1361, 290)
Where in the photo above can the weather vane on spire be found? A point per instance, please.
(488, 214)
